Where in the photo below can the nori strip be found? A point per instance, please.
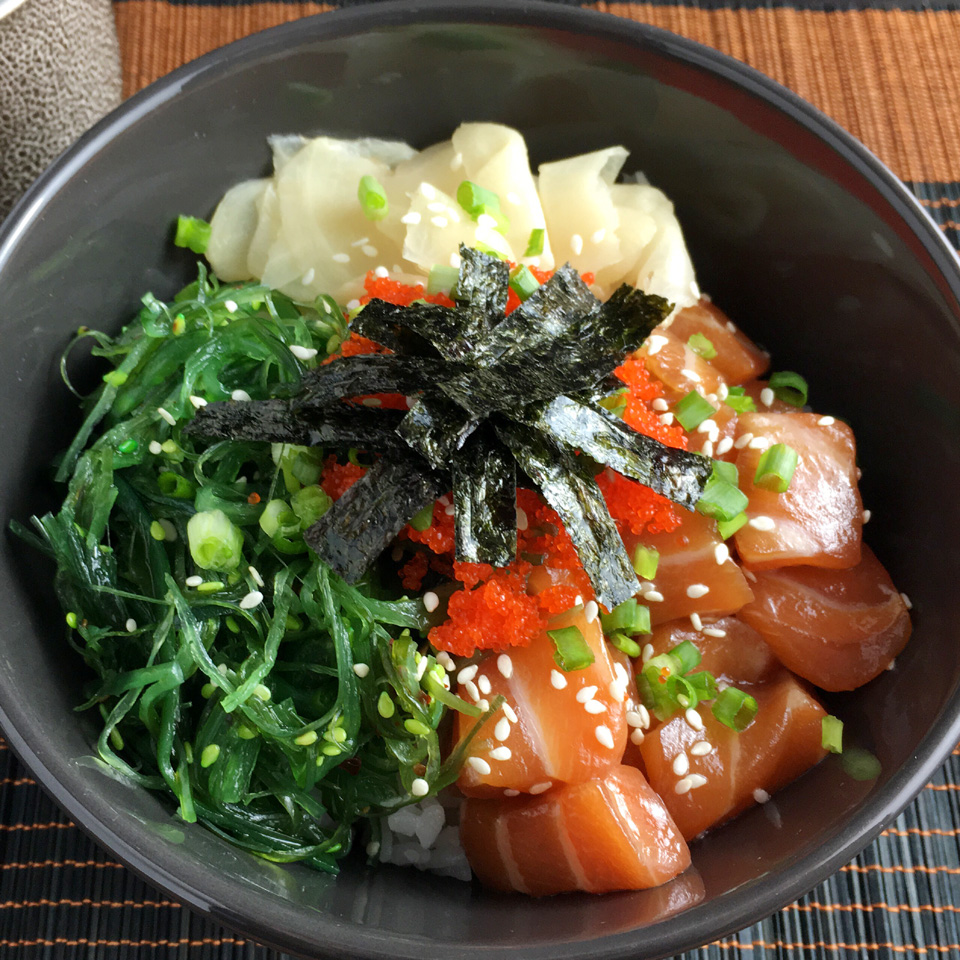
(364, 374)
(274, 421)
(676, 474)
(359, 526)
(380, 321)
(481, 292)
(449, 331)
(436, 427)
(578, 500)
(485, 500)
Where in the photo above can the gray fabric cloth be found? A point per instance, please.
(59, 74)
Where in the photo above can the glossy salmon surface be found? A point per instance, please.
(836, 628)
(677, 366)
(606, 834)
(702, 790)
(818, 520)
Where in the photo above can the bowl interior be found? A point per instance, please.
(801, 237)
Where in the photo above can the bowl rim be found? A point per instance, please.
(736, 909)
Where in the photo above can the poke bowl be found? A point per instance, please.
(796, 231)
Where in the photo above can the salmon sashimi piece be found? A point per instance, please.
(701, 789)
(818, 520)
(715, 436)
(555, 727)
(731, 649)
(677, 366)
(606, 834)
(836, 628)
(738, 358)
(767, 402)
(694, 574)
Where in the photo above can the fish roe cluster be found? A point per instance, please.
(337, 478)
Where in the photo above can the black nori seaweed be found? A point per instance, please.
(450, 332)
(677, 474)
(578, 500)
(481, 292)
(365, 374)
(435, 427)
(485, 500)
(357, 528)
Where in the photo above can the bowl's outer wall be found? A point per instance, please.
(805, 251)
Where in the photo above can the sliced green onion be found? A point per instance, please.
(535, 243)
(727, 528)
(860, 764)
(629, 617)
(776, 467)
(477, 200)
(688, 656)
(173, 485)
(832, 733)
(215, 543)
(423, 519)
(615, 402)
(701, 346)
(310, 504)
(722, 499)
(572, 651)
(654, 687)
(523, 283)
(625, 645)
(704, 683)
(735, 709)
(192, 233)
(439, 692)
(488, 250)
(738, 400)
(789, 387)
(442, 279)
(692, 410)
(682, 691)
(373, 198)
(270, 518)
(645, 562)
(724, 470)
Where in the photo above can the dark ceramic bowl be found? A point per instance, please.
(803, 236)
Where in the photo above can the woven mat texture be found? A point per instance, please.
(888, 73)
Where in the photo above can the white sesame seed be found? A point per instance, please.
(480, 765)
(353, 305)
(303, 353)
(412, 218)
(467, 673)
(598, 235)
(472, 690)
(438, 221)
(341, 258)
(731, 326)
(169, 530)
(892, 664)
(693, 718)
(193, 581)
(749, 574)
(538, 788)
(762, 523)
(430, 601)
(505, 666)
(701, 748)
(486, 221)
(659, 405)
(379, 271)
(155, 447)
(604, 736)
(621, 674)
(714, 632)
(759, 443)
(826, 421)
(514, 198)
(483, 684)
(456, 161)
(741, 442)
(197, 402)
(697, 590)
(510, 792)
(706, 426)
(501, 753)
(690, 375)
(419, 787)
(421, 667)
(636, 736)
(131, 625)
(307, 278)
(655, 343)
(634, 719)
(697, 780)
(578, 601)
(231, 306)
(169, 417)
(587, 693)
(595, 707)
(429, 191)
(721, 553)
(707, 448)
(522, 522)
(484, 705)
(576, 244)
(436, 207)
(866, 516)
(371, 402)
(455, 260)
(591, 611)
(255, 574)
(906, 601)
(761, 796)
(361, 669)
(722, 391)
(681, 765)
(696, 622)
(557, 680)
(617, 690)
(724, 446)
(511, 714)
(372, 848)
(502, 730)
(647, 651)
(240, 395)
(449, 510)
(683, 700)
(682, 786)
(446, 661)
(644, 715)
(653, 596)
(253, 599)
(767, 396)
(666, 419)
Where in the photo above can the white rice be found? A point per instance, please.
(426, 835)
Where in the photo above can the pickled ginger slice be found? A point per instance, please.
(232, 229)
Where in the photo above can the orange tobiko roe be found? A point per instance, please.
(401, 294)
(338, 478)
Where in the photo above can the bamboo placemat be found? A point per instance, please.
(890, 74)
